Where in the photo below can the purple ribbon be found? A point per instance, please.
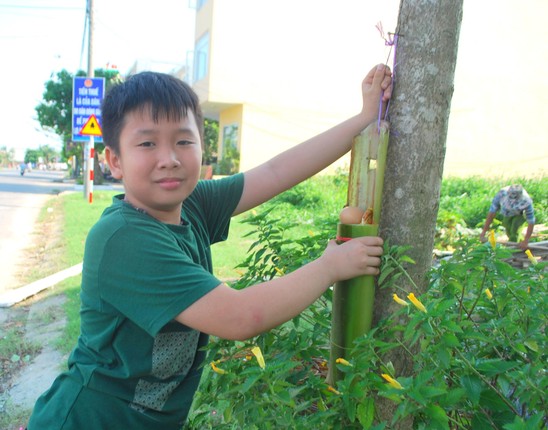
(392, 41)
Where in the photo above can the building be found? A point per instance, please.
(276, 72)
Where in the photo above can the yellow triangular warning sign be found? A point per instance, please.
(91, 127)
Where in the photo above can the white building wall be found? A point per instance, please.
(296, 66)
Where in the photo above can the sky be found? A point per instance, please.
(38, 38)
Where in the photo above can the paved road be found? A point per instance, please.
(21, 199)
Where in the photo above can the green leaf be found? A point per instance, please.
(407, 259)
(429, 392)
(492, 402)
(351, 411)
(532, 345)
(444, 357)
(452, 397)
(366, 412)
(227, 414)
(473, 386)
(15, 358)
(495, 366)
(385, 272)
(438, 418)
(284, 396)
(450, 340)
(249, 383)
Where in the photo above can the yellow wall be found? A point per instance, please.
(296, 68)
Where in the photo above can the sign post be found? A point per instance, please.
(87, 95)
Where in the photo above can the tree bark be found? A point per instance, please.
(426, 55)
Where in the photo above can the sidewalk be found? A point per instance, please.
(43, 316)
(38, 376)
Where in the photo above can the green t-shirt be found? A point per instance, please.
(134, 367)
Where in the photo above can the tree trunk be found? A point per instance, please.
(98, 177)
(426, 55)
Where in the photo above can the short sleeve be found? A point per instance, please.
(149, 276)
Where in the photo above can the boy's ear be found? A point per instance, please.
(113, 161)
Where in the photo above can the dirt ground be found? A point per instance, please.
(39, 321)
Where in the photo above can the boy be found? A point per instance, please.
(149, 299)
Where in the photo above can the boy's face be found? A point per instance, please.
(159, 163)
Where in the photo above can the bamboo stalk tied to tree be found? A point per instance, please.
(353, 299)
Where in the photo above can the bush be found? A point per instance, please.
(478, 350)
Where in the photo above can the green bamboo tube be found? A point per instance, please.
(352, 304)
(353, 299)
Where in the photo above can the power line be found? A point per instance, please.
(17, 6)
(84, 35)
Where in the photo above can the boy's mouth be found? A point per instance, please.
(169, 183)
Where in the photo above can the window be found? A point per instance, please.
(196, 4)
(230, 159)
(201, 57)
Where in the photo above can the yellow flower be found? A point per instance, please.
(399, 301)
(310, 233)
(217, 369)
(330, 388)
(343, 362)
(259, 355)
(279, 271)
(392, 381)
(416, 302)
(488, 294)
(530, 256)
(492, 239)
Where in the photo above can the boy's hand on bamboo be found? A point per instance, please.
(376, 85)
(356, 257)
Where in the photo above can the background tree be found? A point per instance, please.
(55, 111)
(48, 154)
(419, 115)
(44, 154)
(31, 156)
(7, 156)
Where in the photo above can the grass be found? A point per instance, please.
(227, 255)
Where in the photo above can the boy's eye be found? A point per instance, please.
(146, 144)
(184, 142)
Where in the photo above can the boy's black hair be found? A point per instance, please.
(165, 95)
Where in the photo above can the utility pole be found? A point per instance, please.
(89, 149)
(90, 39)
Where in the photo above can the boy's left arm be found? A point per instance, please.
(308, 158)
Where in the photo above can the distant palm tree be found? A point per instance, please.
(48, 153)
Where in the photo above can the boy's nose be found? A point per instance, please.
(168, 159)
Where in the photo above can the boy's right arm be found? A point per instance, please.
(242, 314)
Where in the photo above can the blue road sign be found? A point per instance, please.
(87, 95)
